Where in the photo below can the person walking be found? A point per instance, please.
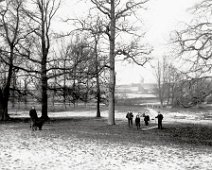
(160, 118)
(33, 115)
(129, 116)
(138, 121)
(146, 119)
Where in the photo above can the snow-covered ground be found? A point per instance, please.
(22, 149)
(168, 116)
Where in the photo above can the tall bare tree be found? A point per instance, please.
(39, 16)
(116, 13)
(94, 27)
(11, 34)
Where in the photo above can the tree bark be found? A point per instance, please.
(44, 84)
(3, 107)
(5, 93)
(111, 114)
(98, 96)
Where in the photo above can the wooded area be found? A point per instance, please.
(41, 65)
(62, 105)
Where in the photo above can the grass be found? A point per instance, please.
(82, 142)
(171, 134)
(176, 134)
(89, 143)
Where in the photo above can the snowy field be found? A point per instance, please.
(71, 145)
(189, 117)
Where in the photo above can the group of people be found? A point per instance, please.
(146, 117)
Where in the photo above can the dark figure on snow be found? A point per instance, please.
(35, 121)
(146, 119)
(33, 114)
(160, 118)
(129, 116)
(138, 122)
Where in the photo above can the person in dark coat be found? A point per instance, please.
(138, 121)
(33, 114)
(146, 119)
(129, 116)
(35, 122)
(160, 118)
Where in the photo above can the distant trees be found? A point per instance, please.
(94, 29)
(29, 58)
(195, 39)
(74, 81)
(177, 88)
(167, 77)
(195, 50)
(194, 92)
(161, 78)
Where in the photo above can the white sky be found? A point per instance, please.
(161, 17)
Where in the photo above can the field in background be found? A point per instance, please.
(123, 105)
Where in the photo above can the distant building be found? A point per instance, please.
(141, 88)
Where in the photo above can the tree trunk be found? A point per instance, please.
(98, 97)
(111, 114)
(25, 94)
(64, 84)
(4, 111)
(3, 107)
(44, 98)
(98, 113)
(5, 93)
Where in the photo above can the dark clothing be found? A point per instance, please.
(35, 121)
(129, 116)
(33, 115)
(146, 120)
(160, 118)
(137, 122)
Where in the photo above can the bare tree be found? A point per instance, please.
(95, 28)
(39, 18)
(160, 81)
(195, 42)
(10, 34)
(116, 13)
(195, 39)
(168, 78)
(74, 70)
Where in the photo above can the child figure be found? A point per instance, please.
(137, 122)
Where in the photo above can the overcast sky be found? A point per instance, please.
(160, 18)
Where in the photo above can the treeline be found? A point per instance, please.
(77, 65)
(36, 65)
